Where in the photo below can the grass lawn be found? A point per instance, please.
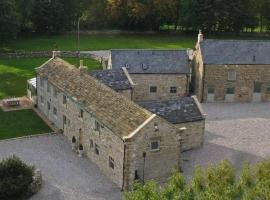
(15, 72)
(21, 123)
(101, 42)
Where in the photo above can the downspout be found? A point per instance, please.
(124, 163)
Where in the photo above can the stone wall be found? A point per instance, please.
(216, 77)
(163, 82)
(158, 165)
(84, 130)
(127, 93)
(193, 136)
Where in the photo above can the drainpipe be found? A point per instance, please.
(144, 155)
(124, 167)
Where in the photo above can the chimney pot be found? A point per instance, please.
(200, 36)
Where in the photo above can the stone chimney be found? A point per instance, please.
(200, 36)
(56, 54)
(83, 69)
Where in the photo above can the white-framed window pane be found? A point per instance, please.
(154, 146)
(231, 75)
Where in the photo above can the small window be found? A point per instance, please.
(268, 88)
(64, 99)
(173, 90)
(48, 87)
(64, 120)
(96, 149)
(91, 143)
(97, 126)
(154, 146)
(111, 162)
(211, 90)
(231, 75)
(153, 89)
(55, 92)
(257, 87)
(81, 113)
(68, 122)
(230, 90)
(42, 99)
(54, 111)
(41, 82)
(48, 105)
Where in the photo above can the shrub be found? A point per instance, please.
(15, 178)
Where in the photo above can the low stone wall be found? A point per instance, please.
(47, 54)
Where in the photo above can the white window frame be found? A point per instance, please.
(156, 149)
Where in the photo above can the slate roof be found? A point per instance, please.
(235, 52)
(115, 79)
(175, 111)
(112, 109)
(149, 61)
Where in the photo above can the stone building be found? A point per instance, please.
(185, 113)
(126, 141)
(156, 74)
(231, 70)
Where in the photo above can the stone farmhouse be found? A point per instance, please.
(126, 141)
(231, 70)
(155, 74)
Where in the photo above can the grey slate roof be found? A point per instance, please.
(149, 61)
(175, 111)
(115, 79)
(235, 51)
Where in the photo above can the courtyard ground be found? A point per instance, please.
(236, 132)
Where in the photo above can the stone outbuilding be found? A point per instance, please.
(126, 141)
(231, 70)
(185, 113)
(156, 74)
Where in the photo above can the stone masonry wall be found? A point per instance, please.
(84, 130)
(158, 164)
(193, 136)
(163, 84)
(216, 77)
(197, 73)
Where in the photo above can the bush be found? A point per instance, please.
(15, 178)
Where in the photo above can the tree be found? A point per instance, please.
(9, 20)
(219, 182)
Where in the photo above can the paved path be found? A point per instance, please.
(65, 175)
(237, 132)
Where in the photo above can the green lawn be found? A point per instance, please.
(14, 73)
(21, 123)
(100, 42)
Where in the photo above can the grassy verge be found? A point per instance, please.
(100, 42)
(21, 123)
(14, 73)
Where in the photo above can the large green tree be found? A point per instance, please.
(9, 20)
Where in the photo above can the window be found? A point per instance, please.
(55, 92)
(111, 162)
(64, 99)
(68, 122)
(48, 105)
(64, 120)
(97, 126)
(91, 143)
(231, 75)
(230, 90)
(173, 90)
(257, 87)
(211, 90)
(41, 82)
(42, 99)
(48, 87)
(54, 111)
(96, 149)
(154, 146)
(153, 89)
(81, 113)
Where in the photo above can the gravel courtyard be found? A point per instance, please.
(65, 175)
(237, 132)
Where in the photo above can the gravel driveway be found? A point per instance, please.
(65, 175)
(237, 132)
